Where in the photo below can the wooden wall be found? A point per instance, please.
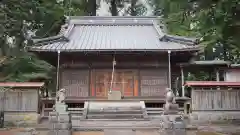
(76, 82)
(132, 82)
(232, 75)
(20, 101)
(153, 82)
(145, 75)
(214, 100)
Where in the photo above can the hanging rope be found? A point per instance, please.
(113, 71)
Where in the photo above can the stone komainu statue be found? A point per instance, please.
(60, 96)
(170, 97)
(170, 105)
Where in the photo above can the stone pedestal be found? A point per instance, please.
(61, 107)
(60, 121)
(170, 109)
(173, 125)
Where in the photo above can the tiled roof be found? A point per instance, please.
(22, 84)
(207, 63)
(114, 34)
(211, 83)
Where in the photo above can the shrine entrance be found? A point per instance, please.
(125, 81)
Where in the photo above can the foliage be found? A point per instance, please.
(22, 19)
(34, 68)
(215, 22)
(200, 76)
(136, 9)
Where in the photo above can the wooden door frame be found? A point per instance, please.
(93, 83)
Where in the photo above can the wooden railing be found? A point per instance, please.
(216, 100)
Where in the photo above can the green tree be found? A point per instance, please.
(115, 6)
(20, 18)
(136, 9)
(215, 22)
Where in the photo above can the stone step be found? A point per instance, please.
(114, 127)
(114, 123)
(114, 116)
(116, 111)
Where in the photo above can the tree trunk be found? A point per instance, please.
(91, 8)
(4, 47)
(94, 8)
(133, 12)
(113, 8)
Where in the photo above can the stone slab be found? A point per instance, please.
(60, 126)
(147, 132)
(64, 118)
(173, 132)
(60, 132)
(179, 125)
(59, 117)
(119, 132)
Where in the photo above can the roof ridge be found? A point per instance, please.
(180, 39)
(111, 17)
(51, 39)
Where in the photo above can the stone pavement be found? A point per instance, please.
(225, 129)
(137, 132)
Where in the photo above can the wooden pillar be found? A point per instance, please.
(183, 81)
(58, 64)
(169, 70)
(217, 75)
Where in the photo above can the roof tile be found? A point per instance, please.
(118, 33)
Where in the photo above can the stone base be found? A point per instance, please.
(60, 107)
(201, 117)
(173, 125)
(171, 109)
(59, 117)
(171, 118)
(60, 123)
(60, 126)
